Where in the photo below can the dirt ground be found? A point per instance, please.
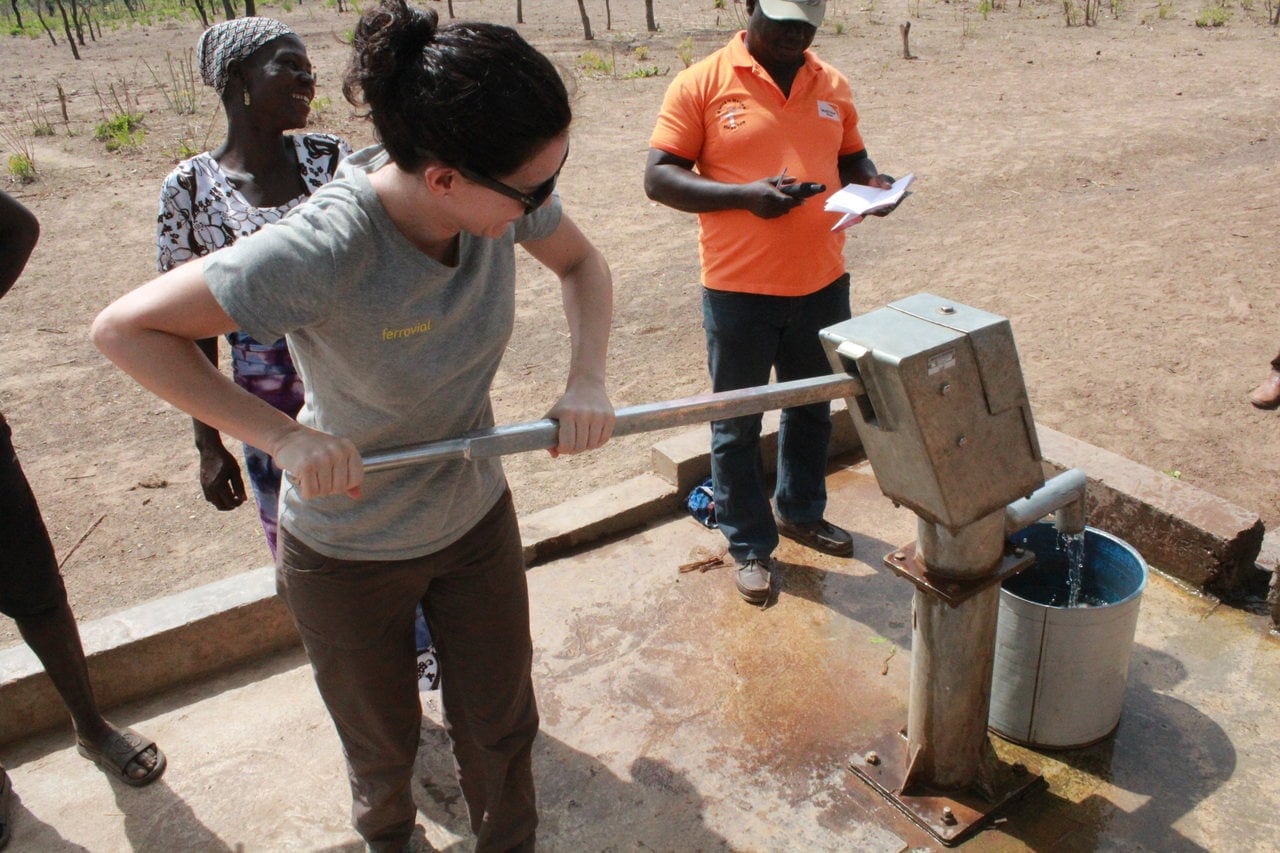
(1112, 190)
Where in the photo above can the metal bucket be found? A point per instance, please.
(1060, 672)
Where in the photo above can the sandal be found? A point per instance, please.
(6, 794)
(121, 748)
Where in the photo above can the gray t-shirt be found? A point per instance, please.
(394, 349)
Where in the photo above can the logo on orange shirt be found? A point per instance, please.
(732, 114)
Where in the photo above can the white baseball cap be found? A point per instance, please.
(810, 12)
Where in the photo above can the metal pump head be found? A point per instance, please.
(944, 416)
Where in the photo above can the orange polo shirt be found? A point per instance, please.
(728, 116)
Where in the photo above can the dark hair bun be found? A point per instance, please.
(468, 94)
(388, 40)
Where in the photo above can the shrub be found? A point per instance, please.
(684, 51)
(644, 71)
(22, 168)
(1212, 16)
(595, 63)
(124, 130)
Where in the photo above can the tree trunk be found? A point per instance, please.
(249, 9)
(650, 24)
(608, 17)
(451, 10)
(519, 11)
(204, 18)
(228, 9)
(586, 22)
(16, 13)
(40, 18)
(66, 28)
(75, 21)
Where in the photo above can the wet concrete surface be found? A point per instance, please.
(677, 717)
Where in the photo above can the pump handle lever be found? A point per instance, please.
(702, 408)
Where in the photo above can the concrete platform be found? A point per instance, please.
(676, 717)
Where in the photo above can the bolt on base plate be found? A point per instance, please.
(949, 817)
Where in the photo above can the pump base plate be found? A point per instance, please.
(954, 591)
(949, 817)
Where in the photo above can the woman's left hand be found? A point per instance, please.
(585, 416)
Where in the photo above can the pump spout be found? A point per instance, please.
(1062, 495)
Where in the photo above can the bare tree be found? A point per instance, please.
(204, 17)
(75, 22)
(16, 13)
(89, 22)
(228, 9)
(586, 22)
(519, 11)
(43, 23)
(608, 17)
(650, 24)
(66, 28)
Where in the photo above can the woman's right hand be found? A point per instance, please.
(220, 478)
(319, 464)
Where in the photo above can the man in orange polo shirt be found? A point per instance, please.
(772, 131)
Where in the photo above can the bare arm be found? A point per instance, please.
(220, 479)
(670, 180)
(19, 231)
(150, 333)
(584, 411)
(857, 168)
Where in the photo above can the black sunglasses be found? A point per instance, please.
(531, 200)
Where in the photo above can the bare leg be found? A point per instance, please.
(55, 639)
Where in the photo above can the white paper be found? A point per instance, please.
(856, 200)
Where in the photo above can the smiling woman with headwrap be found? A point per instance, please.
(260, 69)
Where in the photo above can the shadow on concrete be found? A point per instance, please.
(165, 821)
(579, 799)
(155, 817)
(35, 832)
(881, 601)
(1164, 760)
(158, 820)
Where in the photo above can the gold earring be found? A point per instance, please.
(246, 98)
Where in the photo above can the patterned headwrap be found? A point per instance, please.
(230, 41)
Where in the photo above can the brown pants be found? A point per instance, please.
(356, 620)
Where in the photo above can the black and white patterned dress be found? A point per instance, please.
(200, 212)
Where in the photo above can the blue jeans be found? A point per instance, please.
(747, 336)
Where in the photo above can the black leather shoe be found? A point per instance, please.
(819, 535)
(753, 579)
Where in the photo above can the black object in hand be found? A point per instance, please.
(802, 189)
